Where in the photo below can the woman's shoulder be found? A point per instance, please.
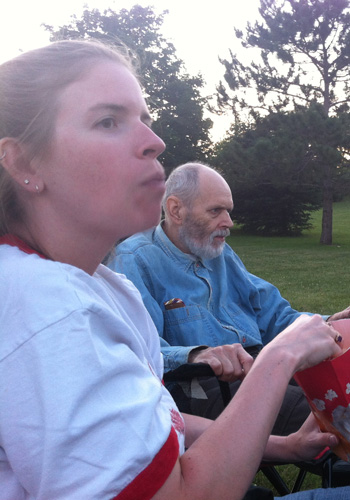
(36, 293)
(29, 275)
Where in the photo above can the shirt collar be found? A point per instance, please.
(14, 241)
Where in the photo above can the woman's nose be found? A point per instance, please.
(152, 145)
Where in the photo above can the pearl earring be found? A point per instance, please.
(26, 181)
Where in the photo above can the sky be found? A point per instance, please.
(200, 31)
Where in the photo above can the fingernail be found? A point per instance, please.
(333, 441)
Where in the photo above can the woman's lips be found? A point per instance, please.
(157, 181)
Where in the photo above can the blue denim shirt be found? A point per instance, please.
(223, 302)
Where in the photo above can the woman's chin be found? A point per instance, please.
(147, 223)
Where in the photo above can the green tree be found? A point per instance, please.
(174, 96)
(304, 46)
(273, 168)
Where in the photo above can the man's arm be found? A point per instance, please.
(175, 356)
(273, 312)
(340, 315)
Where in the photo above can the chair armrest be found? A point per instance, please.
(189, 371)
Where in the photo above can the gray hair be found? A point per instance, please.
(183, 182)
(30, 88)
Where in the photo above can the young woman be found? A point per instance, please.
(83, 412)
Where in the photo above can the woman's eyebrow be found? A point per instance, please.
(116, 108)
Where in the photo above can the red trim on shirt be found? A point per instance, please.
(151, 479)
(10, 239)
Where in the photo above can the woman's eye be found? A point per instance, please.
(107, 123)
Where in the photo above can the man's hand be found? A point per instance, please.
(340, 315)
(228, 362)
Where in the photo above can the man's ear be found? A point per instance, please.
(16, 163)
(175, 209)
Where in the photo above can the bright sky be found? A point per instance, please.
(200, 31)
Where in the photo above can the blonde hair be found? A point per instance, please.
(30, 87)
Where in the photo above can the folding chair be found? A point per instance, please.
(332, 470)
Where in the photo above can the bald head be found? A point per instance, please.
(187, 182)
(210, 181)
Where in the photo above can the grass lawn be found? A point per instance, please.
(311, 276)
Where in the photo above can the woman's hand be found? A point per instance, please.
(309, 339)
(309, 441)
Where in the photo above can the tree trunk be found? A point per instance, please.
(327, 215)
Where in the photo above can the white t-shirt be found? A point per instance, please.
(83, 412)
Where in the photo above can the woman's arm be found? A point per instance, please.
(195, 426)
(222, 462)
(305, 444)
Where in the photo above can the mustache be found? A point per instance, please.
(220, 232)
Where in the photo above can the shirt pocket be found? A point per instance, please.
(184, 325)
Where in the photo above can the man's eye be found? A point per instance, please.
(107, 123)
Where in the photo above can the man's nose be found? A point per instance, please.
(227, 221)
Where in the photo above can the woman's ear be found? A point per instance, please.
(15, 161)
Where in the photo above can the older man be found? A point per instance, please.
(206, 306)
